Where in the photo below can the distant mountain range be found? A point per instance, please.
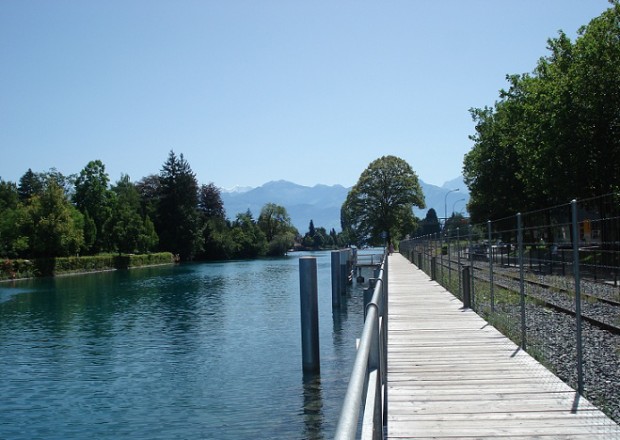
(322, 203)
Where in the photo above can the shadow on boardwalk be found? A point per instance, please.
(452, 375)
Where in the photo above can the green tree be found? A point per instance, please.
(554, 134)
(12, 242)
(177, 222)
(249, 239)
(56, 227)
(217, 240)
(210, 204)
(9, 195)
(128, 226)
(382, 201)
(90, 232)
(321, 238)
(456, 220)
(148, 239)
(93, 196)
(275, 224)
(30, 184)
(149, 188)
(273, 220)
(430, 224)
(311, 229)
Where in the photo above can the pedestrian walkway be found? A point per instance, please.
(451, 375)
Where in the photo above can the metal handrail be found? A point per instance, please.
(367, 390)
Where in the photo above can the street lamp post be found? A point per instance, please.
(454, 204)
(445, 206)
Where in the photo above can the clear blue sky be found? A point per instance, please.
(253, 91)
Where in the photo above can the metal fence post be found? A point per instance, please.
(449, 261)
(458, 260)
(434, 268)
(458, 246)
(442, 282)
(491, 268)
(308, 293)
(466, 286)
(577, 296)
(471, 264)
(521, 279)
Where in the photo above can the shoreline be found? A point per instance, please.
(83, 272)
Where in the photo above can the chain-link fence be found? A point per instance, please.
(546, 279)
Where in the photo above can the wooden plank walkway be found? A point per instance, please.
(452, 375)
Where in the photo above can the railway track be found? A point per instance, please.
(602, 312)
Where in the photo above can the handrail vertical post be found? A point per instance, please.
(384, 332)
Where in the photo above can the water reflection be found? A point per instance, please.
(313, 407)
(191, 351)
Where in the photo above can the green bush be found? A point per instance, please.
(14, 269)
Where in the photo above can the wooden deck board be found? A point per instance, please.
(452, 375)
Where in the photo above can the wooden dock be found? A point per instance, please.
(451, 375)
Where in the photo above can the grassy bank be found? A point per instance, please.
(40, 267)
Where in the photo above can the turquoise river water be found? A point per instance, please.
(174, 352)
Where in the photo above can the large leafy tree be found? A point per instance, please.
(177, 222)
(276, 224)
(554, 134)
(382, 201)
(210, 204)
(55, 227)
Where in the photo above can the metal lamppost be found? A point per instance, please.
(454, 204)
(445, 206)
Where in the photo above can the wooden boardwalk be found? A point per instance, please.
(451, 375)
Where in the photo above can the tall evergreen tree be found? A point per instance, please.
(93, 196)
(430, 224)
(177, 212)
(29, 185)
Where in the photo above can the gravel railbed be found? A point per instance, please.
(554, 334)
